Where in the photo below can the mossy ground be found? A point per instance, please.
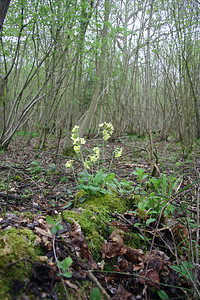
(94, 216)
(16, 248)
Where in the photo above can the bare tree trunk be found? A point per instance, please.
(4, 4)
(148, 87)
(95, 97)
(194, 98)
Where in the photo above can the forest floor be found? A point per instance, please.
(138, 242)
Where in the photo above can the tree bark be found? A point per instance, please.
(4, 4)
(95, 97)
(148, 87)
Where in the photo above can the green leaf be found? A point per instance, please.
(98, 177)
(162, 295)
(50, 220)
(182, 271)
(149, 221)
(66, 263)
(104, 191)
(141, 236)
(91, 188)
(164, 185)
(59, 264)
(54, 229)
(109, 177)
(137, 224)
(67, 274)
(95, 294)
(141, 206)
(68, 204)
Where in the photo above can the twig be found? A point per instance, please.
(17, 261)
(132, 225)
(152, 243)
(97, 283)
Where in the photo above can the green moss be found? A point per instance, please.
(85, 288)
(69, 151)
(93, 217)
(93, 227)
(133, 240)
(99, 202)
(15, 245)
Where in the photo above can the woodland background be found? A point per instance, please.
(132, 63)
(133, 233)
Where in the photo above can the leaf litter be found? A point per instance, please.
(30, 192)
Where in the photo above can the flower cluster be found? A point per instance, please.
(69, 163)
(107, 130)
(92, 158)
(77, 141)
(118, 152)
(95, 156)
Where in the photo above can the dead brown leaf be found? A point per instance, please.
(117, 236)
(113, 249)
(45, 232)
(153, 278)
(135, 255)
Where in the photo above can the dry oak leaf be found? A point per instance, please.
(156, 260)
(76, 229)
(87, 255)
(153, 277)
(135, 255)
(116, 236)
(122, 294)
(113, 249)
(45, 232)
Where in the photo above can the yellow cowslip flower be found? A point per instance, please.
(76, 141)
(96, 150)
(118, 152)
(83, 141)
(94, 158)
(86, 165)
(106, 137)
(75, 129)
(73, 136)
(107, 130)
(77, 148)
(69, 164)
